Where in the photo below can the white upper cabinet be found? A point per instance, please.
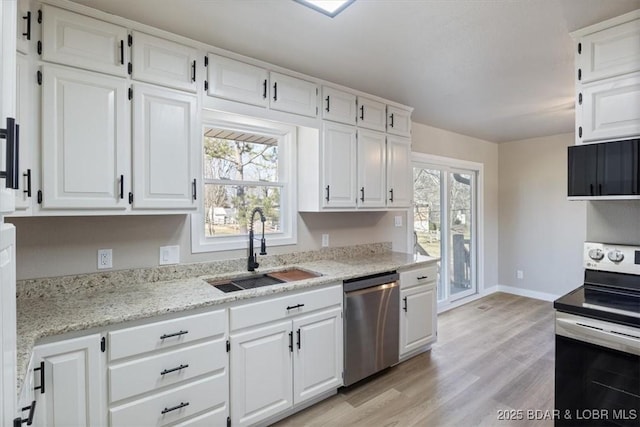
(399, 189)
(85, 140)
(338, 106)
(371, 170)
(165, 148)
(611, 109)
(163, 62)
(398, 121)
(610, 52)
(237, 81)
(339, 166)
(371, 114)
(26, 26)
(83, 42)
(293, 95)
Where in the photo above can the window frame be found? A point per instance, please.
(287, 144)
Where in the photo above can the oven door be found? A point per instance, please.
(597, 380)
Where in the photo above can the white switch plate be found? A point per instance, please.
(397, 220)
(169, 255)
(519, 274)
(325, 240)
(105, 259)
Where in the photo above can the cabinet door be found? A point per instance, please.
(73, 381)
(83, 42)
(261, 373)
(237, 81)
(582, 175)
(610, 52)
(163, 62)
(25, 82)
(398, 121)
(399, 189)
(371, 169)
(339, 166)
(165, 126)
(85, 140)
(293, 95)
(26, 26)
(371, 114)
(318, 357)
(618, 168)
(611, 109)
(338, 106)
(417, 317)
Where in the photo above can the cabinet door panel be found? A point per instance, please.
(261, 373)
(371, 169)
(163, 62)
(80, 41)
(618, 168)
(237, 81)
(25, 118)
(293, 95)
(318, 358)
(398, 121)
(417, 317)
(399, 188)
(164, 148)
(85, 139)
(582, 174)
(371, 114)
(338, 106)
(339, 166)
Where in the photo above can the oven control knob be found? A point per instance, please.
(596, 254)
(615, 256)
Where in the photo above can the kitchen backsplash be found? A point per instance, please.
(44, 287)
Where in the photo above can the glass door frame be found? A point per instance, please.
(446, 165)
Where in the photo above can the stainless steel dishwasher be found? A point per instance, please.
(371, 321)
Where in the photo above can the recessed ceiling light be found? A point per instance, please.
(328, 7)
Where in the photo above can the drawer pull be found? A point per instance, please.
(179, 368)
(291, 307)
(176, 334)
(422, 277)
(175, 408)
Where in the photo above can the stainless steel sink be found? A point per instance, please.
(260, 280)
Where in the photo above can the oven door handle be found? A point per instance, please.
(604, 334)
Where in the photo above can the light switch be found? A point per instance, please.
(398, 220)
(169, 255)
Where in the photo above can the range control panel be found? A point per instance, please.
(611, 257)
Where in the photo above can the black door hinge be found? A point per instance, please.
(579, 48)
(228, 346)
(40, 16)
(129, 40)
(103, 344)
(39, 77)
(579, 73)
(129, 68)
(130, 93)
(580, 99)
(580, 132)
(228, 421)
(206, 61)
(206, 85)
(130, 198)
(39, 47)
(39, 197)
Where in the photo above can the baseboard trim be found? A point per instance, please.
(526, 293)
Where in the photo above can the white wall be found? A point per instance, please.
(541, 233)
(430, 140)
(614, 222)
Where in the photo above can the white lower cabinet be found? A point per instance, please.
(69, 383)
(294, 357)
(418, 309)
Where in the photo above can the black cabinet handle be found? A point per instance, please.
(291, 307)
(327, 198)
(194, 186)
(391, 198)
(193, 71)
(176, 334)
(264, 89)
(275, 91)
(175, 408)
(179, 368)
(591, 189)
(27, 174)
(362, 112)
(299, 342)
(328, 103)
(29, 420)
(122, 52)
(391, 117)
(362, 194)
(122, 186)
(422, 277)
(12, 134)
(405, 304)
(28, 19)
(41, 369)
(291, 341)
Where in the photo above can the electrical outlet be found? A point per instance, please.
(105, 259)
(397, 220)
(519, 274)
(169, 255)
(325, 240)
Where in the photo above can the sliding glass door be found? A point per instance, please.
(444, 223)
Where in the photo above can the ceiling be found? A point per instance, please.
(499, 70)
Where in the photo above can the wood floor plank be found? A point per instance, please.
(496, 353)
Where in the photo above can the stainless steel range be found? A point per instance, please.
(597, 375)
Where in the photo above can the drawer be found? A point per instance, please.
(217, 417)
(146, 374)
(282, 307)
(418, 276)
(176, 403)
(165, 334)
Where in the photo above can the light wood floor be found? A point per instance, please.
(493, 354)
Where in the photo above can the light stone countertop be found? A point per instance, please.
(43, 316)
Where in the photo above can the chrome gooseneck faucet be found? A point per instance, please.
(252, 263)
